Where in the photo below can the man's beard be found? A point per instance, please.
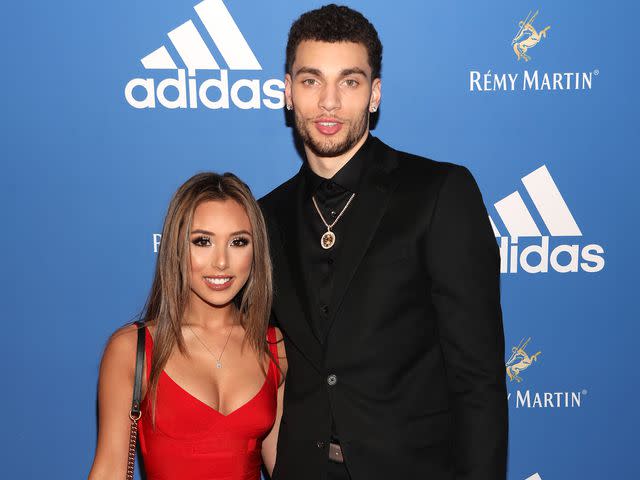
(328, 148)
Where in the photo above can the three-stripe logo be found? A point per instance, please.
(193, 53)
(193, 50)
(559, 222)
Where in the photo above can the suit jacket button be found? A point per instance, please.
(320, 444)
(332, 380)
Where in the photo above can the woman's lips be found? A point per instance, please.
(218, 283)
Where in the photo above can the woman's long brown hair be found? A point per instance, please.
(171, 287)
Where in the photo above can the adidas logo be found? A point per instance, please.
(558, 221)
(214, 92)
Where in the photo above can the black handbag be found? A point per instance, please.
(136, 412)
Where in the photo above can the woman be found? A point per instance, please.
(214, 371)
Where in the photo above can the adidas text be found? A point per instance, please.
(214, 93)
(538, 258)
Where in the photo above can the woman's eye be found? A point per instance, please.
(201, 241)
(240, 242)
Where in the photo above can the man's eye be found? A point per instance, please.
(351, 83)
(309, 81)
(240, 242)
(201, 241)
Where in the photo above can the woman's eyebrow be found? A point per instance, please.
(207, 232)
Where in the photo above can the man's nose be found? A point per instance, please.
(330, 98)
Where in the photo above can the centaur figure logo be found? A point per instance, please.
(520, 360)
(527, 36)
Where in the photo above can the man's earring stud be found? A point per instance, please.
(373, 109)
(289, 107)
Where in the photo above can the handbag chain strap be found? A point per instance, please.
(136, 412)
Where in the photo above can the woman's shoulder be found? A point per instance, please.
(120, 351)
(276, 337)
(274, 333)
(123, 339)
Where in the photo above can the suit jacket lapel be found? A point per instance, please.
(291, 292)
(369, 206)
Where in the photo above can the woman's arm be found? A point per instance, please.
(115, 389)
(270, 443)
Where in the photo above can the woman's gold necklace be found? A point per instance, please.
(218, 363)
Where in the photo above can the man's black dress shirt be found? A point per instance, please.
(331, 196)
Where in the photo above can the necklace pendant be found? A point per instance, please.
(328, 239)
(218, 365)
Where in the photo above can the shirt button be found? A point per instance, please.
(329, 185)
(325, 309)
(332, 380)
(320, 444)
(333, 213)
(330, 261)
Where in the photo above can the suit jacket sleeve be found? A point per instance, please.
(462, 260)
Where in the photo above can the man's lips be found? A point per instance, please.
(327, 126)
(218, 282)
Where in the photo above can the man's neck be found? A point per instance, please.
(327, 167)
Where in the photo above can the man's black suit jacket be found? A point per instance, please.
(412, 366)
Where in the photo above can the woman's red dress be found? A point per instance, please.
(193, 441)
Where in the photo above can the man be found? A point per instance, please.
(387, 285)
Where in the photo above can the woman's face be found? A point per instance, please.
(221, 251)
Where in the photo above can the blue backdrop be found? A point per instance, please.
(87, 176)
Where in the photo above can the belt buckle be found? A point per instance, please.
(335, 453)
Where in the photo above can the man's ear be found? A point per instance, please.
(376, 93)
(287, 90)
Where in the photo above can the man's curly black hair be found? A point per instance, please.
(335, 23)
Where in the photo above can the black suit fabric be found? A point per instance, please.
(411, 368)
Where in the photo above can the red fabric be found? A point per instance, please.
(193, 441)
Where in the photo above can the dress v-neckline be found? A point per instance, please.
(190, 395)
(205, 404)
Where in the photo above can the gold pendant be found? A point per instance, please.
(328, 239)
